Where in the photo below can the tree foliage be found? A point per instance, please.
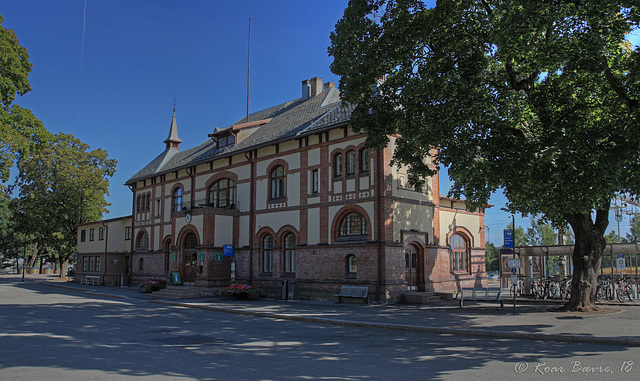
(62, 185)
(20, 131)
(538, 99)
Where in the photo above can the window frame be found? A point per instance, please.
(459, 257)
(92, 234)
(83, 235)
(143, 237)
(348, 223)
(176, 199)
(350, 163)
(278, 183)
(230, 192)
(267, 254)
(315, 181)
(337, 165)
(364, 161)
(351, 268)
(289, 253)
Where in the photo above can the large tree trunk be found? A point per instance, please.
(587, 258)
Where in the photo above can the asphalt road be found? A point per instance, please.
(50, 333)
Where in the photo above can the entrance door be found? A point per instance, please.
(411, 267)
(190, 266)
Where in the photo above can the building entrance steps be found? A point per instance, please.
(420, 297)
(177, 292)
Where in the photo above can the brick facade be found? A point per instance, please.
(361, 208)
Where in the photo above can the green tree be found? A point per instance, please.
(492, 258)
(20, 131)
(613, 237)
(634, 231)
(62, 185)
(541, 233)
(539, 99)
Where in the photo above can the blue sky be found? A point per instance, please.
(107, 71)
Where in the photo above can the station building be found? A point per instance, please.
(290, 198)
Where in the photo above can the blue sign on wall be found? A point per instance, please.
(228, 250)
(508, 238)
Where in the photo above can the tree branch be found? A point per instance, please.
(631, 103)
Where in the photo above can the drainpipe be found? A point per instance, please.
(132, 237)
(248, 156)
(380, 219)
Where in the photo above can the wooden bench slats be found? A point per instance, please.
(480, 294)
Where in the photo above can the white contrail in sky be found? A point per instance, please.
(84, 25)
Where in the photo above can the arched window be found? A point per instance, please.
(290, 253)
(459, 256)
(337, 165)
(143, 240)
(148, 202)
(222, 194)
(364, 160)
(353, 224)
(138, 203)
(190, 241)
(351, 265)
(351, 163)
(267, 253)
(278, 182)
(177, 200)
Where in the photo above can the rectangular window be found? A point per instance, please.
(98, 267)
(84, 264)
(83, 235)
(157, 208)
(90, 263)
(92, 234)
(127, 232)
(315, 181)
(364, 160)
(101, 233)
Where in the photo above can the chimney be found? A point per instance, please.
(306, 89)
(316, 86)
(329, 85)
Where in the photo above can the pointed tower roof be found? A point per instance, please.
(173, 141)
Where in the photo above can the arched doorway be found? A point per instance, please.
(190, 258)
(412, 268)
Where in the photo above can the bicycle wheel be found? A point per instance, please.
(619, 294)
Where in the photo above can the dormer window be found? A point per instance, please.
(226, 140)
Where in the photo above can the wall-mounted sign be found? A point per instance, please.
(174, 256)
(228, 250)
(202, 256)
(219, 257)
(175, 277)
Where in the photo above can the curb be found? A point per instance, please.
(626, 341)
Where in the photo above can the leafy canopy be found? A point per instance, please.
(539, 98)
(20, 131)
(64, 184)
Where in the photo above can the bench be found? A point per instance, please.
(488, 294)
(360, 292)
(91, 280)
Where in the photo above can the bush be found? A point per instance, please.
(154, 284)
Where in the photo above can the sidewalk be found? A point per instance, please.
(616, 324)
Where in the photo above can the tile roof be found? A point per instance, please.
(287, 120)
